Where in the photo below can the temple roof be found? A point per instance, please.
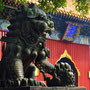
(61, 16)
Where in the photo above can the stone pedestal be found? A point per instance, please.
(44, 88)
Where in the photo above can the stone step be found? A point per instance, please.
(44, 88)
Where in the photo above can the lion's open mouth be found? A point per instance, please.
(40, 20)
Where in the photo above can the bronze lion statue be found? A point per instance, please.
(25, 44)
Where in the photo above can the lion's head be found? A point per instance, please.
(31, 22)
(31, 16)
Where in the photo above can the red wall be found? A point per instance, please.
(79, 53)
(2, 33)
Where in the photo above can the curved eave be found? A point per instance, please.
(71, 17)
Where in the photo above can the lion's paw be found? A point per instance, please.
(24, 82)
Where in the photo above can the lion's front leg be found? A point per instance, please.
(13, 64)
(30, 74)
(42, 63)
(16, 69)
(30, 71)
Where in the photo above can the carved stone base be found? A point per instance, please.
(44, 88)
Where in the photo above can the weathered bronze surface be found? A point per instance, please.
(62, 76)
(25, 44)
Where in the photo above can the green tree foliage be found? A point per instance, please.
(51, 5)
(2, 5)
(82, 6)
(21, 1)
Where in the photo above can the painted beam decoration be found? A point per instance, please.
(83, 40)
(4, 24)
(72, 31)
